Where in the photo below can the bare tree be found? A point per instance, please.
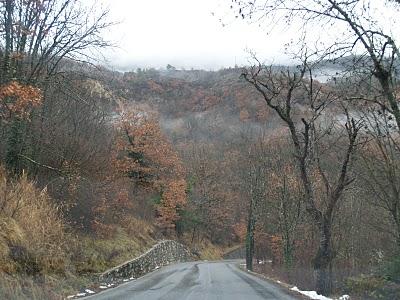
(284, 189)
(362, 28)
(37, 35)
(282, 91)
(256, 186)
(381, 166)
(39, 39)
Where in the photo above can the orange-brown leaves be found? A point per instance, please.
(143, 154)
(108, 212)
(173, 198)
(240, 230)
(276, 249)
(18, 99)
(284, 176)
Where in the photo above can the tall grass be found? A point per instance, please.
(33, 239)
(22, 287)
(41, 257)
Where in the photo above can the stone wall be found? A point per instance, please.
(161, 254)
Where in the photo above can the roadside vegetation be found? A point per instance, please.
(97, 165)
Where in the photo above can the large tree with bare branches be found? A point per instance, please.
(282, 92)
(37, 35)
(38, 40)
(357, 34)
(331, 29)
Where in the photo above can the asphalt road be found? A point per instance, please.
(196, 280)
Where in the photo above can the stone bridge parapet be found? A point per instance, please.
(161, 254)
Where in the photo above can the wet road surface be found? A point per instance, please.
(220, 280)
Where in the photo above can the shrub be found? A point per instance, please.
(364, 284)
(391, 270)
(24, 288)
(33, 236)
(372, 287)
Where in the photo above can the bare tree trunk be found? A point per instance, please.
(385, 82)
(398, 239)
(303, 145)
(288, 250)
(323, 260)
(397, 221)
(193, 235)
(8, 38)
(250, 239)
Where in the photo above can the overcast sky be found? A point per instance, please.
(186, 33)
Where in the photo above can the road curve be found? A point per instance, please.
(220, 280)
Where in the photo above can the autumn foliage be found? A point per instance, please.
(143, 154)
(18, 99)
(173, 199)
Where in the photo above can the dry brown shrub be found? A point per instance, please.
(137, 228)
(10, 234)
(29, 219)
(18, 99)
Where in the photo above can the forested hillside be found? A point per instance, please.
(299, 167)
(242, 171)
